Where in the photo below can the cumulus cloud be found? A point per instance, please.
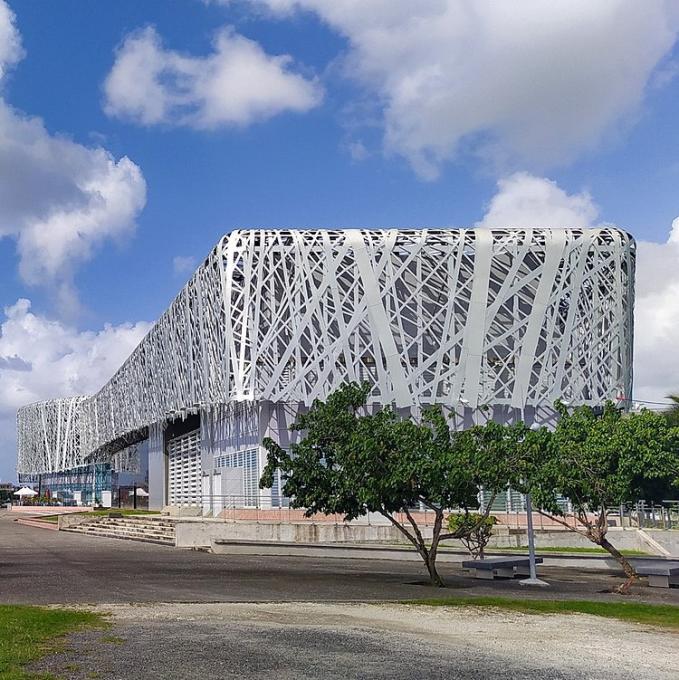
(528, 81)
(58, 199)
(657, 318)
(237, 84)
(42, 358)
(524, 200)
(10, 40)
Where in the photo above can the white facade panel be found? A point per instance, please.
(510, 319)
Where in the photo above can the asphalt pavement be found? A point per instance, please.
(38, 566)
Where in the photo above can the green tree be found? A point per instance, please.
(672, 413)
(475, 531)
(351, 461)
(599, 462)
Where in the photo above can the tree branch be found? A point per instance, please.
(416, 529)
(563, 522)
(400, 527)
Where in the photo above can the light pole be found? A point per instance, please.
(533, 579)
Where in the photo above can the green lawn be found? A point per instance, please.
(100, 513)
(662, 615)
(580, 550)
(28, 633)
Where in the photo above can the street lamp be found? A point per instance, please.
(533, 579)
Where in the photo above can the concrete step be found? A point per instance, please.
(83, 528)
(150, 520)
(130, 525)
(110, 534)
(130, 528)
(88, 528)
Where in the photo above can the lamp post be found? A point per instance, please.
(533, 579)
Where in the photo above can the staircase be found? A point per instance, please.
(150, 529)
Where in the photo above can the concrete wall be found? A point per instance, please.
(201, 533)
(669, 540)
(623, 539)
(66, 521)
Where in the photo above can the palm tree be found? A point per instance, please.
(672, 413)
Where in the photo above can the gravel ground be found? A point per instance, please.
(324, 640)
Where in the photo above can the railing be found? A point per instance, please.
(652, 516)
(272, 508)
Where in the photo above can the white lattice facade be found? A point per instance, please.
(48, 435)
(508, 319)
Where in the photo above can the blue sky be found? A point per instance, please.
(385, 114)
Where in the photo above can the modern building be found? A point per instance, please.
(488, 323)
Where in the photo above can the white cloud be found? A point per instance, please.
(237, 84)
(527, 81)
(58, 199)
(524, 200)
(10, 40)
(184, 264)
(43, 359)
(657, 318)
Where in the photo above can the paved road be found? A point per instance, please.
(38, 566)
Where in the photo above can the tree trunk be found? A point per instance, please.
(433, 550)
(436, 580)
(428, 556)
(597, 534)
(629, 570)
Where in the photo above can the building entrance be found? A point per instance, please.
(184, 469)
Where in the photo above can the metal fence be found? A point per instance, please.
(266, 508)
(653, 516)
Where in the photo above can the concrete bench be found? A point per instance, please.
(504, 567)
(660, 575)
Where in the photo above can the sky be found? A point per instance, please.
(134, 134)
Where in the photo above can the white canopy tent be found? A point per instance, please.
(25, 492)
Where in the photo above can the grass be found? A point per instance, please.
(28, 633)
(661, 615)
(54, 519)
(551, 549)
(580, 550)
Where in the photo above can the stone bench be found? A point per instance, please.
(660, 575)
(504, 567)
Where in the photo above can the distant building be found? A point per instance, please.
(508, 320)
(7, 490)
